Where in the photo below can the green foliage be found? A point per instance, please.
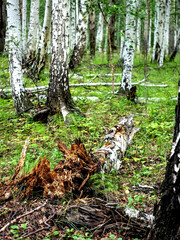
(106, 183)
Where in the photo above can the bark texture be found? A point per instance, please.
(33, 29)
(39, 63)
(19, 94)
(79, 47)
(92, 33)
(167, 221)
(129, 45)
(173, 55)
(59, 96)
(2, 24)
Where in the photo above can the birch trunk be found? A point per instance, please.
(99, 36)
(112, 20)
(33, 29)
(39, 63)
(138, 34)
(73, 24)
(167, 220)
(159, 27)
(172, 27)
(165, 33)
(19, 95)
(59, 96)
(2, 24)
(128, 54)
(146, 29)
(79, 47)
(24, 26)
(92, 33)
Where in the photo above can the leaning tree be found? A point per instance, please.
(59, 96)
(167, 217)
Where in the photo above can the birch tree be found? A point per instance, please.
(79, 47)
(24, 25)
(33, 29)
(159, 27)
(59, 96)
(20, 98)
(72, 24)
(167, 220)
(99, 35)
(165, 34)
(92, 32)
(39, 63)
(129, 45)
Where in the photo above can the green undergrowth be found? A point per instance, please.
(145, 160)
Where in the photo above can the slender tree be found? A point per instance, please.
(41, 56)
(99, 35)
(164, 46)
(80, 45)
(112, 29)
(159, 27)
(92, 31)
(33, 33)
(59, 96)
(129, 45)
(24, 26)
(20, 98)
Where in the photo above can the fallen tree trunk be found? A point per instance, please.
(73, 172)
(45, 88)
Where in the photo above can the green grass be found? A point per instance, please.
(145, 159)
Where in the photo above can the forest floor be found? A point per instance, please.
(143, 164)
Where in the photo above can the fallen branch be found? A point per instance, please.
(21, 160)
(21, 216)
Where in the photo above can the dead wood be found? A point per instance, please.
(21, 216)
(73, 172)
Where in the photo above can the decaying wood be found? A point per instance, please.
(73, 172)
(118, 139)
(21, 160)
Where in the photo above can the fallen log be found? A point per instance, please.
(73, 172)
(45, 88)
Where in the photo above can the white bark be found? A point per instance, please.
(118, 139)
(45, 38)
(99, 36)
(165, 34)
(159, 26)
(150, 30)
(122, 45)
(77, 14)
(72, 24)
(129, 46)
(59, 97)
(138, 32)
(24, 25)
(15, 57)
(80, 36)
(33, 28)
